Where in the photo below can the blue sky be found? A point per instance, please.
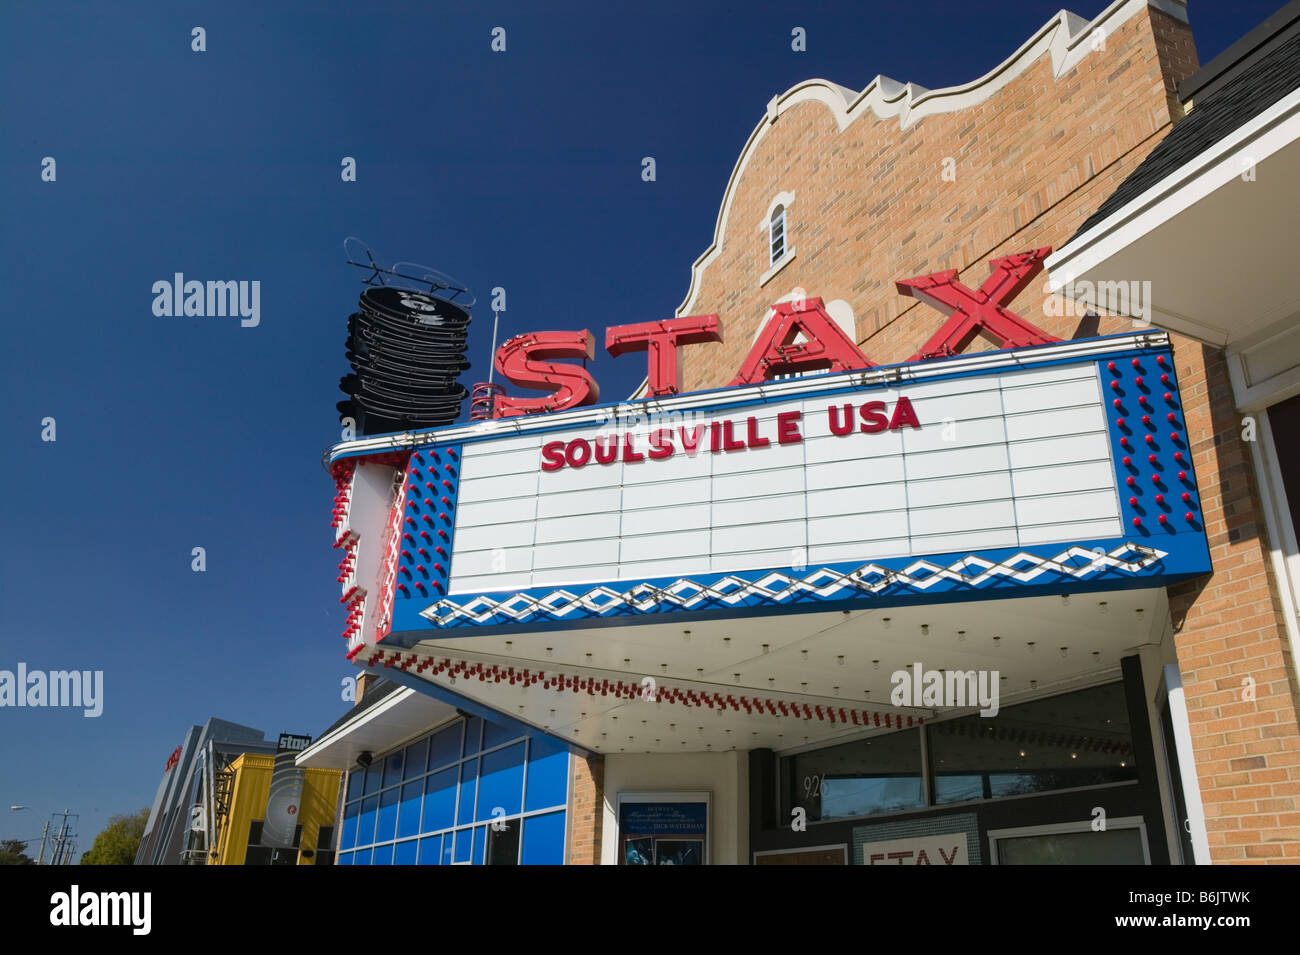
(519, 169)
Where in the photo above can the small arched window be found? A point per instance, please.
(777, 234)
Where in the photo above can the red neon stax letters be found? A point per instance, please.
(973, 312)
(661, 339)
(825, 347)
(573, 386)
(775, 352)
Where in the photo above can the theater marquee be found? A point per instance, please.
(1048, 469)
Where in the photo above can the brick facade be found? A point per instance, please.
(1029, 164)
(1229, 629)
(586, 810)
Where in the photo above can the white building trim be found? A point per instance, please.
(1270, 131)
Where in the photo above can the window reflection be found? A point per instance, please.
(880, 774)
(1062, 742)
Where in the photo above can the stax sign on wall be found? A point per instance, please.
(778, 350)
(1044, 468)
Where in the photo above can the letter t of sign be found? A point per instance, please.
(971, 312)
(661, 339)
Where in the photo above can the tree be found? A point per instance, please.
(13, 852)
(118, 843)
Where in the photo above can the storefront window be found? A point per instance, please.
(1112, 846)
(866, 776)
(442, 795)
(1062, 742)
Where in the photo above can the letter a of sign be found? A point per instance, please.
(973, 312)
(826, 347)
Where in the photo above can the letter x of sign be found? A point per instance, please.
(971, 312)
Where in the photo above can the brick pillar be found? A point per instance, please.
(1176, 50)
(1229, 631)
(586, 809)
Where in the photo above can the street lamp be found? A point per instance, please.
(40, 859)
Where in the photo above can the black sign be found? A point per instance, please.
(289, 743)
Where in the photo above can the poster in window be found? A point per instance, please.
(663, 832)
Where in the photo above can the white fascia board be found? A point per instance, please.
(1276, 127)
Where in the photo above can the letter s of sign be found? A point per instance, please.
(552, 455)
(571, 384)
(661, 444)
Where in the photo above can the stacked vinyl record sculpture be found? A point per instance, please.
(407, 350)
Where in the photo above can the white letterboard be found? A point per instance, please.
(1005, 459)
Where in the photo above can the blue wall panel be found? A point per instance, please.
(417, 818)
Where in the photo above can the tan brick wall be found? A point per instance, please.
(586, 810)
(1230, 628)
(1032, 163)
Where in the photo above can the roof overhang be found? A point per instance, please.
(1209, 247)
(403, 715)
(783, 682)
